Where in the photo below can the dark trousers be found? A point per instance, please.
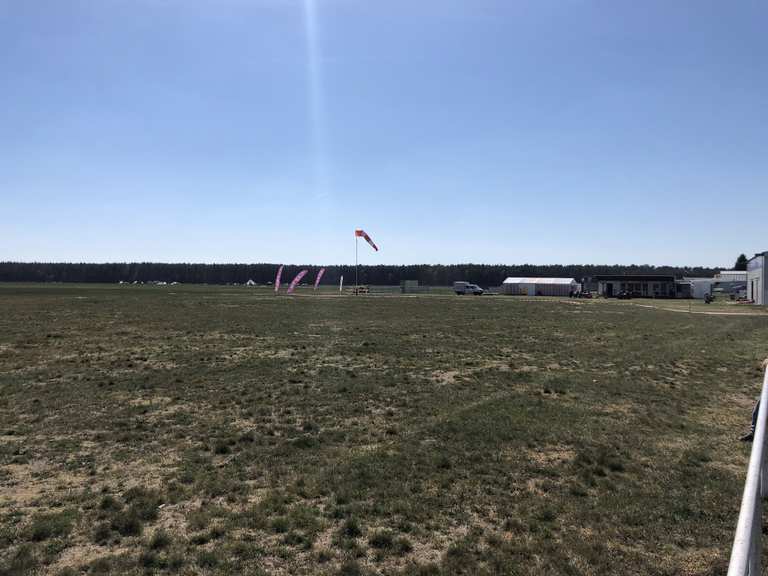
(755, 411)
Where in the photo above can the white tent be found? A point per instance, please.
(250, 283)
(540, 286)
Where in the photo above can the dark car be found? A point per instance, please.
(624, 295)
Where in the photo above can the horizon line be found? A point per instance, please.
(135, 262)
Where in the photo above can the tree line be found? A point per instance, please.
(386, 275)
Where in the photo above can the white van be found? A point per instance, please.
(467, 288)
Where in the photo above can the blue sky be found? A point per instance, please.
(474, 131)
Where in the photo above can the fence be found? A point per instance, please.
(747, 544)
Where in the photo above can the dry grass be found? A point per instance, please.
(222, 430)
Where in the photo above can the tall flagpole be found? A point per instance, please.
(356, 288)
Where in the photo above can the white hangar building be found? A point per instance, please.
(540, 286)
(757, 279)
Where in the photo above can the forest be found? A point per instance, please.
(263, 273)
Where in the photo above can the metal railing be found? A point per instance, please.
(747, 545)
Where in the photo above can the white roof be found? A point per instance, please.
(511, 280)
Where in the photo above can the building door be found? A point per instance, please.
(608, 289)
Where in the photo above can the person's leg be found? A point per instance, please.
(751, 435)
(755, 411)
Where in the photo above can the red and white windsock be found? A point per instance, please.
(319, 277)
(277, 278)
(360, 232)
(296, 280)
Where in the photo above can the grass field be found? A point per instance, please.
(204, 430)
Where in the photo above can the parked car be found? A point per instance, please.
(624, 295)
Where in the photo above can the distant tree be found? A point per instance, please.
(741, 262)
(432, 275)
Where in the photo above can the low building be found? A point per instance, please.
(731, 276)
(540, 286)
(589, 284)
(412, 287)
(699, 287)
(732, 282)
(637, 285)
(757, 279)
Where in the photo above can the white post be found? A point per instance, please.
(763, 479)
(357, 289)
(755, 546)
(747, 542)
(341, 283)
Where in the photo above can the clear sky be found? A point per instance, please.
(452, 131)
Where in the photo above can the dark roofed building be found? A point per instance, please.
(637, 285)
